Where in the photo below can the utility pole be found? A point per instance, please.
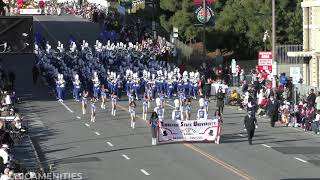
(153, 21)
(274, 33)
(204, 29)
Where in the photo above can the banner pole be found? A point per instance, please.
(204, 29)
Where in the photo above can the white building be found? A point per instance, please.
(311, 42)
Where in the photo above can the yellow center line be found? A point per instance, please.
(208, 156)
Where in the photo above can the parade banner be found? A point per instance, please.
(194, 130)
(30, 11)
(265, 60)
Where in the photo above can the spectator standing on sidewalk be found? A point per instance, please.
(273, 109)
(283, 80)
(315, 124)
(311, 98)
(245, 87)
(242, 76)
(220, 100)
(2, 11)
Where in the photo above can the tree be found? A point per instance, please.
(239, 24)
(178, 14)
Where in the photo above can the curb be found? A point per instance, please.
(36, 154)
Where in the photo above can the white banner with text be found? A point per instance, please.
(194, 130)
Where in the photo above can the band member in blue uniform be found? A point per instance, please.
(153, 86)
(136, 86)
(161, 96)
(103, 93)
(180, 83)
(177, 112)
(194, 86)
(202, 113)
(93, 109)
(149, 94)
(187, 108)
(76, 88)
(181, 97)
(145, 102)
(114, 99)
(119, 87)
(132, 111)
(206, 104)
(96, 84)
(185, 84)
(84, 101)
(60, 87)
(130, 96)
(159, 109)
(170, 86)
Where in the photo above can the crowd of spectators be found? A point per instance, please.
(12, 126)
(266, 95)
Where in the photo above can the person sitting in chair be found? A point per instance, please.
(234, 97)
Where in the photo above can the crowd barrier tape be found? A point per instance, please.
(189, 131)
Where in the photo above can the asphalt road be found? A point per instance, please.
(110, 149)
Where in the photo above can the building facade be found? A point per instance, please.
(311, 43)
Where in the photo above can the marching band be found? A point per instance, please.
(107, 70)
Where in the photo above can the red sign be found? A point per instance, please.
(196, 2)
(265, 60)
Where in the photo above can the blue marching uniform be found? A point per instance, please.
(136, 87)
(96, 88)
(169, 89)
(186, 88)
(195, 89)
(186, 108)
(128, 85)
(144, 103)
(119, 85)
(103, 93)
(179, 85)
(76, 90)
(93, 106)
(181, 96)
(60, 87)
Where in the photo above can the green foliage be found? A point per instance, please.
(178, 14)
(239, 25)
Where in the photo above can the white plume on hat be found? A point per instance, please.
(176, 103)
(158, 101)
(201, 102)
